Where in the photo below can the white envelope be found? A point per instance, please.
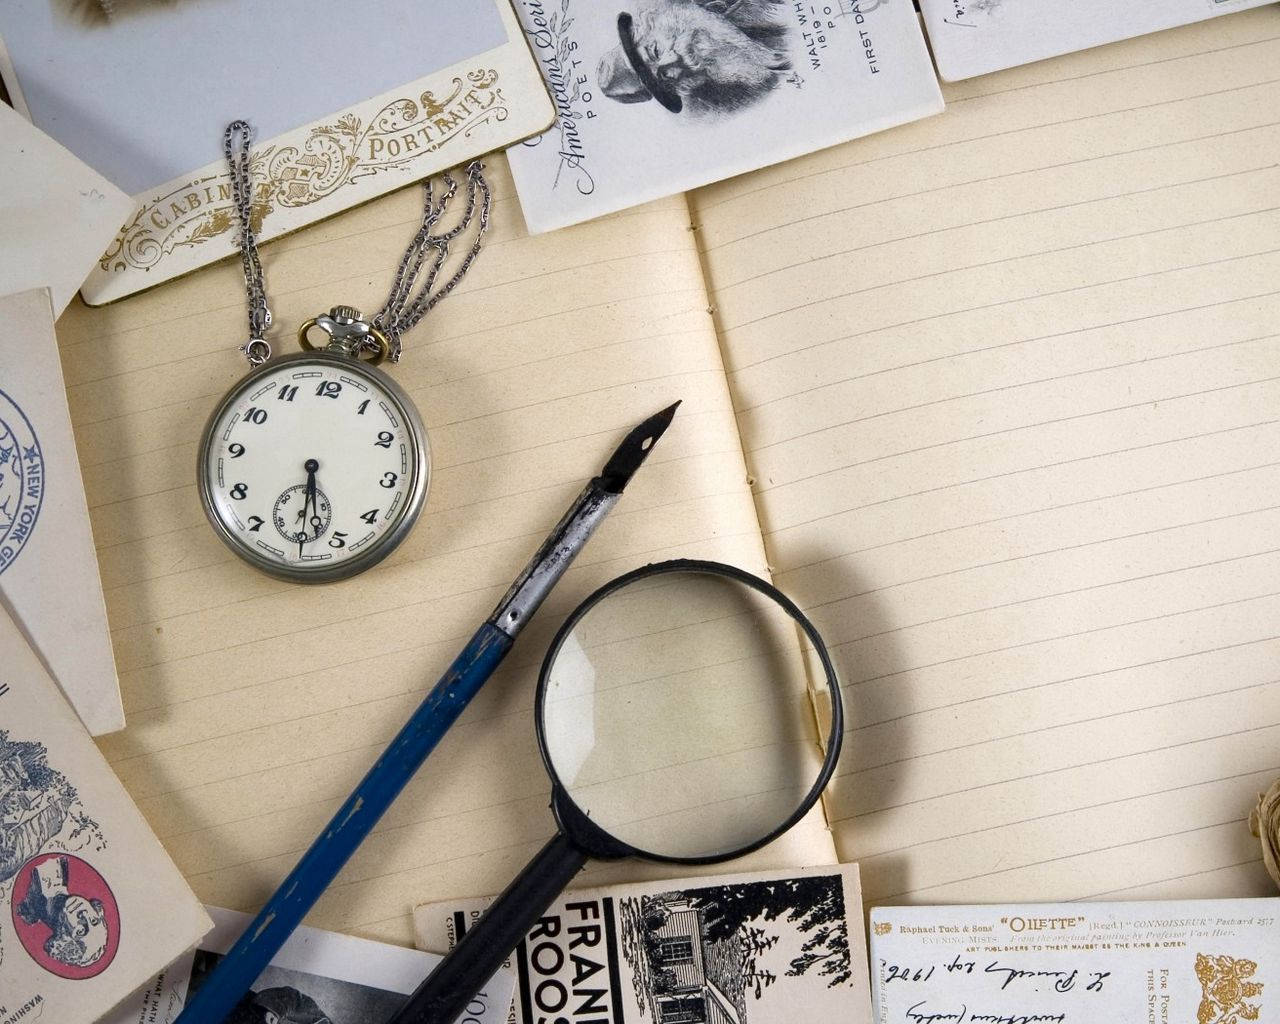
(1212, 961)
(48, 569)
(350, 101)
(974, 37)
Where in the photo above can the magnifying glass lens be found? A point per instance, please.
(677, 715)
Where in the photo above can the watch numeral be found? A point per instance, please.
(236, 449)
(288, 393)
(338, 540)
(389, 479)
(328, 389)
(371, 516)
(255, 523)
(240, 492)
(256, 415)
(362, 407)
(385, 437)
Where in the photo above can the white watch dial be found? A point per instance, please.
(313, 467)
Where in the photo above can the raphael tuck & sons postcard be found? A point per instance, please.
(90, 904)
(1171, 962)
(317, 977)
(655, 97)
(748, 949)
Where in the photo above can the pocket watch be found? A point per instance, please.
(315, 465)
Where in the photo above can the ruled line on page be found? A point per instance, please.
(987, 529)
(711, 202)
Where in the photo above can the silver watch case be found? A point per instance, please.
(409, 512)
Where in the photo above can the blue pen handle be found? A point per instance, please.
(237, 972)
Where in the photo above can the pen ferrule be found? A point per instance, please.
(553, 558)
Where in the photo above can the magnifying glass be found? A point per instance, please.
(687, 712)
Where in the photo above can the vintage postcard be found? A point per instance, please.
(1206, 961)
(90, 904)
(747, 949)
(349, 103)
(317, 977)
(974, 37)
(655, 97)
(58, 214)
(49, 578)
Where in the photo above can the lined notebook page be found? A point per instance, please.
(254, 706)
(1009, 385)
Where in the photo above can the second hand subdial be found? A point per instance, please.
(312, 511)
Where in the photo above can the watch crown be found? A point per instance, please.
(346, 315)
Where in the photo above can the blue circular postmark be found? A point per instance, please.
(21, 480)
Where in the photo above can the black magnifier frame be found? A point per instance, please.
(455, 981)
(575, 822)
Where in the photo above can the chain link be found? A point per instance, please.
(399, 313)
(235, 144)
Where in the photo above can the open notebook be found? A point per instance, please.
(993, 395)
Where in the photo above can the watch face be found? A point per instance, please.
(313, 467)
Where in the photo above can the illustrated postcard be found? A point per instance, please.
(655, 97)
(1206, 961)
(349, 102)
(317, 977)
(974, 37)
(90, 904)
(749, 949)
(49, 578)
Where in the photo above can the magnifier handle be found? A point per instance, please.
(465, 971)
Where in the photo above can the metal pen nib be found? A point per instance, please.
(635, 448)
(575, 528)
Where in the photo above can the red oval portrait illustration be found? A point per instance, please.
(65, 916)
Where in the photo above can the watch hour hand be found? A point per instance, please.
(309, 500)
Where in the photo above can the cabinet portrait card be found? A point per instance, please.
(349, 102)
(90, 904)
(655, 97)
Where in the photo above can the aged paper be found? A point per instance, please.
(760, 947)
(1007, 385)
(256, 706)
(58, 214)
(91, 905)
(48, 572)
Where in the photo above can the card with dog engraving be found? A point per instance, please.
(655, 97)
(317, 977)
(748, 948)
(1212, 961)
(974, 37)
(90, 904)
